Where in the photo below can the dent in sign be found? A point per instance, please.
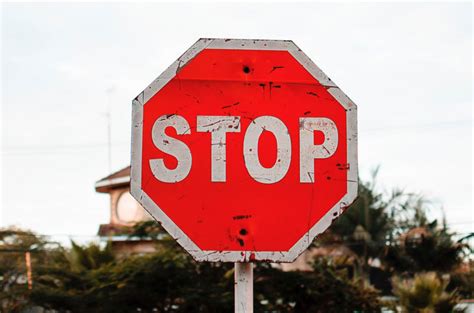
(219, 126)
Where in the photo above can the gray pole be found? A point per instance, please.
(243, 287)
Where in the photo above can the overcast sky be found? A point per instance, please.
(407, 66)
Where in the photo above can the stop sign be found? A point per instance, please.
(244, 150)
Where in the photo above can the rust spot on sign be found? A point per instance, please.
(230, 105)
(241, 217)
(276, 68)
(343, 166)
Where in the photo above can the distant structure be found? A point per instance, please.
(125, 212)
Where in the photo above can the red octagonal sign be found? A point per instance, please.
(244, 150)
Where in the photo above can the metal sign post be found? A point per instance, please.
(243, 276)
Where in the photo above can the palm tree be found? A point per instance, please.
(89, 257)
(426, 247)
(368, 224)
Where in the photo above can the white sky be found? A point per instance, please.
(407, 66)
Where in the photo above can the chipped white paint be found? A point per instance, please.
(309, 151)
(169, 225)
(243, 287)
(136, 149)
(252, 135)
(173, 147)
(218, 126)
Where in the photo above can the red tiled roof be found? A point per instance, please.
(120, 178)
(124, 172)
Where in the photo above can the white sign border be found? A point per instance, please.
(169, 225)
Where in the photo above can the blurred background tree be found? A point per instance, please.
(426, 247)
(170, 281)
(20, 251)
(367, 225)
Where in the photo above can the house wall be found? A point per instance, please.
(114, 219)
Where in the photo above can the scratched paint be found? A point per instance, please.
(244, 150)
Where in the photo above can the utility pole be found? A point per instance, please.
(28, 269)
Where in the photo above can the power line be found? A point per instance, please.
(62, 146)
(458, 123)
(28, 148)
(102, 145)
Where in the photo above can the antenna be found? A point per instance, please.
(109, 91)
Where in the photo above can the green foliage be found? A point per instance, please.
(377, 218)
(148, 229)
(377, 226)
(170, 281)
(325, 289)
(367, 224)
(425, 294)
(64, 280)
(463, 282)
(89, 257)
(167, 281)
(14, 243)
(432, 249)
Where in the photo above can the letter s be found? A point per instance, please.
(173, 147)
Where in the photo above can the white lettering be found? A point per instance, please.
(218, 126)
(309, 151)
(252, 135)
(173, 147)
